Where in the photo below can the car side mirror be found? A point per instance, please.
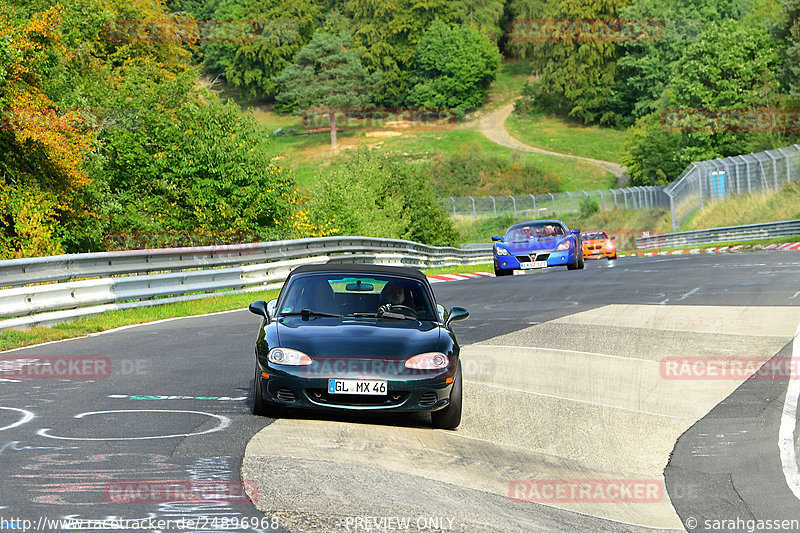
(259, 307)
(495, 238)
(456, 313)
(576, 231)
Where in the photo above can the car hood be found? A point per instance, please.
(323, 337)
(545, 243)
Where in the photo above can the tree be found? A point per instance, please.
(252, 41)
(454, 68)
(723, 81)
(646, 67)
(581, 66)
(326, 74)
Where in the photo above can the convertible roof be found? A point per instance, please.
(361, 268)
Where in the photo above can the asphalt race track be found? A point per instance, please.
(570, 378)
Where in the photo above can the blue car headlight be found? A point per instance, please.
(500, 251)
(564, 246)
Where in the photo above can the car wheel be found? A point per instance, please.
(612, 257)
(574, 265)
(450, 416)
(499, 273)
(581, 262)
(260, 406)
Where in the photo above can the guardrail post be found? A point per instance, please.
(671, 210)
(615, 197)
(571, 205)
(454, 205)
(474, 213)
(788, 168)
(534, 204)
(554, 202)
(602, 200)
(515, 205)
(625, 197)
(494, 205)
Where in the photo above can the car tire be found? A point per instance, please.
(581, 262)
(499, 273)
(612, 257)
(450, 416)
(260, 406)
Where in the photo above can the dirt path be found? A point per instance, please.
(493, 127)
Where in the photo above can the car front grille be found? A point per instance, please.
(323, 397)
(429, 398)
(525, 258)
(285, 395)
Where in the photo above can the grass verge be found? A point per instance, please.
(559, 135)
(10, 339)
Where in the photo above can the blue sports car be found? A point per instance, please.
(537, 244)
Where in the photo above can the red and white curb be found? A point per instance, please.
(440, 278)
(788, 246)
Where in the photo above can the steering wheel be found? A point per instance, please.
(399, 307)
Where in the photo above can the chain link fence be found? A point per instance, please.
(554, 204)
(717, 179)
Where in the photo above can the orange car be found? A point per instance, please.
(597, 244)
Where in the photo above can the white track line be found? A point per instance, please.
(786, 442)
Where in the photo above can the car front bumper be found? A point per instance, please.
(512, 262)
(416, 393)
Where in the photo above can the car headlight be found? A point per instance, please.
(287, 356)
(564, 246)
(500, 251)
(428, 361)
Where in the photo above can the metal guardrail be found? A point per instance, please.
(49, 290)
(751, 232)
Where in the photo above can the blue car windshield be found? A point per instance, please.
(357, 294)
(528, 231)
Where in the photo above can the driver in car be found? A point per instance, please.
(393, 294)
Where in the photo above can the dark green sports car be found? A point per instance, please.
(358, 337)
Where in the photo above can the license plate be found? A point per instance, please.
(533, 264)
(357, 386)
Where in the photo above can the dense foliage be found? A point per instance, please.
(105, 130)
(379, 195)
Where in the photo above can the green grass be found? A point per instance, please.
(559, 135)
(10, 339)
(747, 209)
(511, 77)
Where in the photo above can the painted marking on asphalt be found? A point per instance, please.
(224, 422)
(151, 397)
(795, 295)
(27, 416)
(586, 402)
(689, 293)
(786, 441)
(594, 354)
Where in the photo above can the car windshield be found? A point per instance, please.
(358, 295)
(592, 235)
(534, 230)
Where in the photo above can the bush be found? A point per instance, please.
(589, 207)
(379, 195)
(471, 172)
